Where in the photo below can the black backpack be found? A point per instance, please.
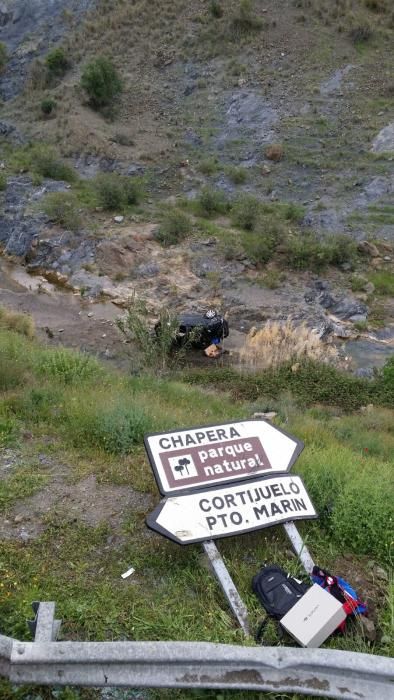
(277, 591)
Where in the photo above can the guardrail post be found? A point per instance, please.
(44, 627)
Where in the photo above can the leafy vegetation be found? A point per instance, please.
(42, 160)
(62, 208)
(117, 191)
(175, 226)
(3, 182)
(383, 282)
(101, 82)
(57, 63)
(48, 106)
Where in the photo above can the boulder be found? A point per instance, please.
(113, 259)
(384, 141)
(368, 248)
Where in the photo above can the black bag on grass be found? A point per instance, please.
(277, 591)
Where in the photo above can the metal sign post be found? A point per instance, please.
(225, 480)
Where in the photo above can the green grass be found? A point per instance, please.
(94, 420)
(384, 282)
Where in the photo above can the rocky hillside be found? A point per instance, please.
(291, 102)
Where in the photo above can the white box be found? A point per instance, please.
(316, 615)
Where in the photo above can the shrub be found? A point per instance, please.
(259, 246)
(101, 82)
(361, 33)
(304, 251)
(174, 228)
(341, 249)
(20, 323)
(279, 343)
(236, 174)
(274, 152)
(48, 105)
(67, 367)
(245, 212)
(216, 9)
(244, 20)
(116, 191)
(57, 62)
(3, 56)
(115, 429)
(62, 209)
(3, 182)
(44, 160)
(211, 202)
(384, 282)
(208, 166)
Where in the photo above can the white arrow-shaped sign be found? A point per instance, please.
(232, 509)
(194, 458)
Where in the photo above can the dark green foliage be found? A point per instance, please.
(174, 228)
(259, 245)
(3, 56)
(62, 209)
(114, 429)
(245, 212)
(44, 161)
(311, 383)
(216, 9)
(101, 82)
(3, 182)
(361, 33)
(48, 105)
(211, 202)
(57, 63)
(117, 191)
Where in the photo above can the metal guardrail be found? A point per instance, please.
(318, 672)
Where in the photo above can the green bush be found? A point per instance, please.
(3, 56)
(101, 82)
(211, 202)
(237, 175)
(115, 429)
(62, 209)
(67, 367)
(57, 62)
(8, 430)
(48, 105)
(341, 249)
(44, 160)
(383, 281)
(245, 212)
(174, 228)
(304, 251)
(117, 191)
(216, 9)
(259, 246)
(209, 166)
(3, 182)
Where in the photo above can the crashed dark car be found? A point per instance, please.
(200, 330)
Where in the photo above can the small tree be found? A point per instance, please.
(57, 62)
(101, 82)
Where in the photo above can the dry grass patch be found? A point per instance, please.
(278, 343)
(11, 321)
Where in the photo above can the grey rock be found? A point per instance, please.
(147, 270)
(365, 372)
(326, 300)
(384, 141)
(368, 628)
(333, 84)
(381, 574)
(92, 285)
(348, 308)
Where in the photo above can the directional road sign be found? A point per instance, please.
(189, 459)
(232, 509)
